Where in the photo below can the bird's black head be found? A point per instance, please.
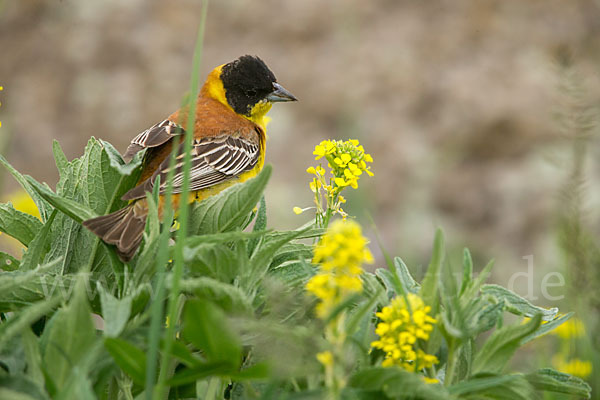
(248, 81)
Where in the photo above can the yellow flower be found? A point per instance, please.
(347, 161)
(340, 254)
(314, 185)
(399, 331)
(325, 358)
(297, 210)
(572, 328)
(23, 202)
(311, 170)
(575, 366)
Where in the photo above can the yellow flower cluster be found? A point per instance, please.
(399, 331)
(575, 366)
(347, 161)
(340, 254)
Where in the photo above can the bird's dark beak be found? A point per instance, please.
(280, 94)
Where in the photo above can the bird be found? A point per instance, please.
(228, 147)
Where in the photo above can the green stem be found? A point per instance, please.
(450, 364)
(211, 391)
(183, 207)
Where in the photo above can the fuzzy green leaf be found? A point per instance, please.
(206, 327)
(117, 162)
(467, 270)
(501, 387)
(43, 206)
(429, 286)
(501, 345)
(8, 262)
(517, 304)
(228, 210)
(547, 327)
(115, 312)
(408, 282)
(261, 259)
(549, 380)
(200, 371)
(128, 357)
(59, 157)
(19, 225)
(60, 355)
(259, 225)
(73, 209)
(228, 297)
(38, 246)
(397, 384)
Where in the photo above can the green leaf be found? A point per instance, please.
(59, 157)
(291, 252)
(517, 304)
(362, 311)
(19, 225)
(37, 247)
(181, 352)
(206, 327)
(78, 386)
(19, 387)
(129, 358)
(402, 272)
(24, 318)
(486, 318)
(547, 327)
(38, 286)
(43, 206)
(228, 210)
(292, 273)
(429, 286)
(201, 371)
(215, 261)
(228, 297)
(508, 387)
(62, 349)
(224, 237)
(549, 380)
(10, 281)
(259, 225)
(397, 383)
(73, 209)
(262, 257)
(467, 270)
(501, 345)
(8, 262)
(115, 312)
(88, 186)
(33, 356)
(117, 162)
(472, 288)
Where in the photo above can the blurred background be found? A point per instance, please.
(480, 115)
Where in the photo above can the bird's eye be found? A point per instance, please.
(251, 93)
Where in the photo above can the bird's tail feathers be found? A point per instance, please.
(122, 228)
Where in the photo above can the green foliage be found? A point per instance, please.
(243, 324)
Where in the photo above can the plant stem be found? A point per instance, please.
(183, 206)
(450, 364)
(211, 391)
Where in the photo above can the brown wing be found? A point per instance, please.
(214, 160)
(154, 136)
